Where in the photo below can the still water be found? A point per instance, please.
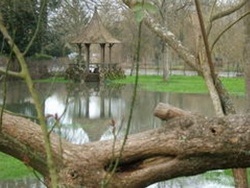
(85, 112)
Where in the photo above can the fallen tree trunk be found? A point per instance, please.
(187, 144)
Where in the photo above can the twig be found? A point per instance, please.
(224, 13)
(105, 182)
(227, 28)
(42, 10)
(227, 12)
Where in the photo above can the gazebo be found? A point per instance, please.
(95, 33)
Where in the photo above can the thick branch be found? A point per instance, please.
(166, 112)
(186, 145)
(172, 41)
(22, 139)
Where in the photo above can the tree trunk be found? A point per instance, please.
(247, 54)
(169, 38)
(240, 177)
(165, 62)
(186, 145)
(241, 174)
(224, 100)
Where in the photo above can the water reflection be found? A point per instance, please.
(85, 112)
(199, 181)
(23, 183)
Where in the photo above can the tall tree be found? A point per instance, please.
(246, 53)
(66, 22)
(20, 17)
(219, 95)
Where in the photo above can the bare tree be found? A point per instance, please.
(204, 66)
(246, 53)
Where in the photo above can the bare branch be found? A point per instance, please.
(222, 14)
(209, 27)
(208, 67)
(43, 6)
(227, 28)
(12, 44)
(228, 11)
(169, 38)
(25, 74)
(11, 73)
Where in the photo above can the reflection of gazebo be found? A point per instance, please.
(95, 33)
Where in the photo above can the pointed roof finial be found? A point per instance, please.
(95, 32)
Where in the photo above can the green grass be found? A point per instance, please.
(183, 84)
(11, 168)
(176, 84)
(234, 85)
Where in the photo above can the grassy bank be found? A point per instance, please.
(11, 168)
(183, 84)
(176, 83)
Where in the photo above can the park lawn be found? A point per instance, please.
(176, 83)
(182, 84)
(11, 168)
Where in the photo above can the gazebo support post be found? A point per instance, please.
(102, 54)
(110, 53)
(80, 53)
(87, 45)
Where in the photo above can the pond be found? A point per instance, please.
(85, 112)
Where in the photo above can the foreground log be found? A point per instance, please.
(185, 145)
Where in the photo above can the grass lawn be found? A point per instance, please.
(183, 84)
(176, 83)
(11, 168)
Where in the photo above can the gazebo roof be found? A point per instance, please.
(95, 33)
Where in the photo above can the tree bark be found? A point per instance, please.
(247, 54)
(187, 144)
(240, 175)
